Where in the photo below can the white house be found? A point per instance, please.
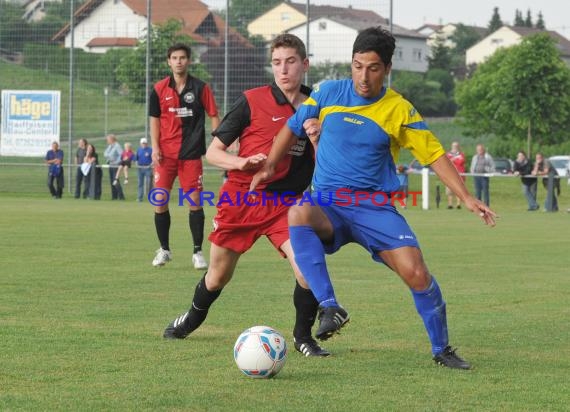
(335, 36)
(332, 31)
(428, 29)
(103, 24)
(445, 33)
(508, 36)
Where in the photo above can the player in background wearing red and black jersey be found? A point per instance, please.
(255, 118)
(178, 107)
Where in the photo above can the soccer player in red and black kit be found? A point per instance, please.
(178, 107)
(255, 118)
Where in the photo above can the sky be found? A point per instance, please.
(412, 14)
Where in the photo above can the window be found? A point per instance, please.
(398, 54)
(322, 26)
(285, 17)
(417, 55)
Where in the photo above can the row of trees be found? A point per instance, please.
(521, 95)
(496, 22)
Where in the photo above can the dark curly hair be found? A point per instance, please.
(378, 40)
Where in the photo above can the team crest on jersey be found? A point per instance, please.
(189, 97)
(413, 111)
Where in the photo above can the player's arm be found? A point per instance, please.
(215, 121)
(154, 129)
(450, 178)
(283, 142)
(218, 155)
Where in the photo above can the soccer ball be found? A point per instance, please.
(260, 352)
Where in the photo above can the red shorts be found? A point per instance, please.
(237, 225)
(189, 174)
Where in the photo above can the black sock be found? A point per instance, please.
(196, 220)
(162, 224)
(306, 307)
(201, 303)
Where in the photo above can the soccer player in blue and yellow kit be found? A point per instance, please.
(363, 125)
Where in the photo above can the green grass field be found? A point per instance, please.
(82, 313)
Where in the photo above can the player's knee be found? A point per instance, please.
(417, 278)
(298, 215)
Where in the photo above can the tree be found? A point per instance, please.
(540, 22)
(528, 20)
(13, 30)
(519, 21)
(463, 38)
(131, 71)
(496, 23)
(440, 56)
(426, 96)
(512, 99)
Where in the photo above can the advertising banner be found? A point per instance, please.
(30, 122)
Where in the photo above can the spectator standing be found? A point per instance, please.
(94, 175)
(79, 177)
(523, 167)
(54, 159)
(482, 163)
(178, 107)
(144, 161)
(457, 158)
(112, 155)
(542, 167)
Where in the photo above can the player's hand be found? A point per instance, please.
(487, 215)
(156, 157)
(312, 129)
(264, 174)
(252, 162)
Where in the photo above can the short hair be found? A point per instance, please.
(378, 40)
(179, 46)
(290, 41)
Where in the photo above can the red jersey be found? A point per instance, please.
(458, 160)
(127, 155)
(182, 116)
(256, 118)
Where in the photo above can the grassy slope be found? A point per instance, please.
(124, 117)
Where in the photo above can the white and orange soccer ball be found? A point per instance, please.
(260, 352)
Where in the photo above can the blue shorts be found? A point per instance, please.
(376, 228)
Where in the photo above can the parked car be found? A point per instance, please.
(561, 164)
(503, 165)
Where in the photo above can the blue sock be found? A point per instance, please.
(431, 307)
(310, 257)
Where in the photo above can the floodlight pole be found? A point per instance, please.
(106, 93)
(226, 56)
(71, 86)
(391, 31)
(147, 67)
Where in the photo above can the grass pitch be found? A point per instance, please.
(82, 313)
